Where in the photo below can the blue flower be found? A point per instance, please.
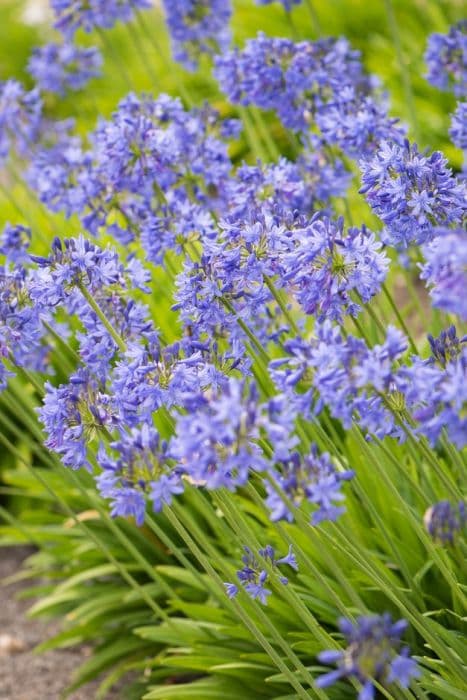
(411, 193)
(294, 79)
(59, 67)
(446, 59)
(313, 479)
(137, 468)
(216, 443)
(444, 520)
(197, 27)
(326, 269)
(72, 15)
(14, 243)
(373, 654)
(445, 270)
(253, 576)
(307, 83)
(20, 118)
(458, 130)
(73, 415)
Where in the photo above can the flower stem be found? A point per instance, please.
(102, 317)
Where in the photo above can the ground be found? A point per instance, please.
(25, 675)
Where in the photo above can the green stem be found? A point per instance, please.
(400, 320)
(205, 563)
(282, 305)
(102, 317)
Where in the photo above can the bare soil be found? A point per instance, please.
(25, 675)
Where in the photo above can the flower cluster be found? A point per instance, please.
(319, 82)
(446, 59)
(411, 193)
(154, 171)
(71, 15)
(313, 479)
(24, 338)
(444, 521)
(445, 270)
(73, 263)
(20, 118)
(137, 467)
(61, 67)
(254, 574)
(216, 443)
(330, 272)
(197, 27)
(374, 653)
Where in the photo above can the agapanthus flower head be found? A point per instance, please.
(216, 443)
(197, 27)
(412, 193)
(14, 243)
(374, 653)
(311, 479)
(75, 414)
(458, 130)
(73, 262)
(435, 393)
(61, 67)
(137, 468)
(23, 336)
(444, 520)
(20, 118)
(356, 382)
(445, 270)
(446, 59)
(330, 271)
(253, 576)
(358, 123)
(294, 79)
(60, 173)
(72, 15)
(306, 83)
